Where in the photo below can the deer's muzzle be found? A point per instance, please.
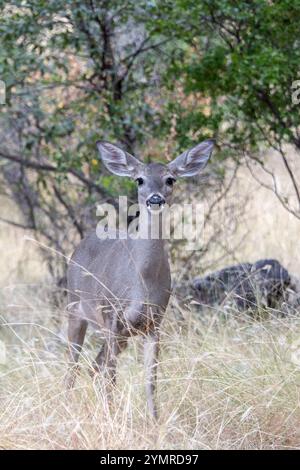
(155, 200)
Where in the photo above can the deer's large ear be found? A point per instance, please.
(192, 161)
(117, 161)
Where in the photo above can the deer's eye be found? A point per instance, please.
(170, 181)
(139, 181)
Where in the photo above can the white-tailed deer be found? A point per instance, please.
(122, 286)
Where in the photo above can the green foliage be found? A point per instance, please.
(81, 70)
(78, 71)
(242, 56)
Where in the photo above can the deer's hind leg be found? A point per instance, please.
(76, 333)
(106, 360)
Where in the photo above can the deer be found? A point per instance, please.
(121, 286)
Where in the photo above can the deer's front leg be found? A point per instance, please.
(151, 351)
(76, 333)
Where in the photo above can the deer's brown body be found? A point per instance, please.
(122, 286)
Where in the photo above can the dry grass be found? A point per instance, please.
(223, 384)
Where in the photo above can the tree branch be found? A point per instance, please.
(50, 168)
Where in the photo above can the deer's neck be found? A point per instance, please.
(151, 255)
(151, 238)
(151, 226)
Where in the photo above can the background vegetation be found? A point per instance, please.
(155, 77)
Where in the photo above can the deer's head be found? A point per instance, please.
(155, 180)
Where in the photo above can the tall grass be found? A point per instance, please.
(222, 384)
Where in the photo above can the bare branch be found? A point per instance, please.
(16, 224)
(273, 187)
(69, 209)
(50, 168)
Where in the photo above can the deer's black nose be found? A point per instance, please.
(155, 199)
